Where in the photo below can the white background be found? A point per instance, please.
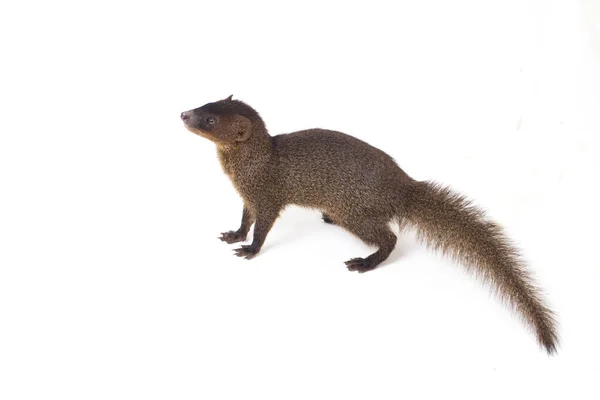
(113, 284)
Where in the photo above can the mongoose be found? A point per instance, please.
(361, 189)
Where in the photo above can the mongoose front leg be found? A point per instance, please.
(242, 232)
(264, 222)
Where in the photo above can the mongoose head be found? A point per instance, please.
(223, 122)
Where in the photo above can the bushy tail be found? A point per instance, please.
(448, 222)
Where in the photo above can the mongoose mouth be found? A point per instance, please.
(198, 132)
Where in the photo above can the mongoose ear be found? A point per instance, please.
(229, 98)
(242, 127)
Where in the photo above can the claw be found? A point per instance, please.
(231, 237)
(358, 264)
(247, 252)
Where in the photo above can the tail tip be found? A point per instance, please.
(549, 341)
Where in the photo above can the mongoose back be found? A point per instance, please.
(362, 189)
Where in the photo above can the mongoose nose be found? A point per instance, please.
(184, 116)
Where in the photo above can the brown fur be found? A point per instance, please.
(361, 189)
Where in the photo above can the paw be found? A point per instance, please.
(247, 252)
(358, 264)
(232, 237)
(327, 220)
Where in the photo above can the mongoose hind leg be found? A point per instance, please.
(373, 232)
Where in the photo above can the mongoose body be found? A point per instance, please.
(336, 173)
(361, 189)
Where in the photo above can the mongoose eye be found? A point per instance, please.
(211, 120)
